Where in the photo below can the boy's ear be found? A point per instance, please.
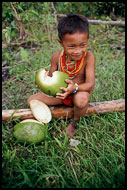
(60, 42)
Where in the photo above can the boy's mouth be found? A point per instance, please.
(77, 56)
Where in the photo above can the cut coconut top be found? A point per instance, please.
(31, 120)
(40, 111)
(47, 79)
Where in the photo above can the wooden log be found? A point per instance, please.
(114, 23)
(67, 112)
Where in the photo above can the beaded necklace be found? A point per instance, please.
(75, 65)
(69, 63)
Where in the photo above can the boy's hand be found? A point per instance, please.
(68, 90)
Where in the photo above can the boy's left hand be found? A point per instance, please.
(67, 91)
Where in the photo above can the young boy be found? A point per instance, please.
(78, 63)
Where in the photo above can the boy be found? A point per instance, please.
(78, 63)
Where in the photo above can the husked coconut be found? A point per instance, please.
(51, 85)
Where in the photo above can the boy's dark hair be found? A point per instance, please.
(71, 24)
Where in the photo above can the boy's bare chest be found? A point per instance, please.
(80, 78)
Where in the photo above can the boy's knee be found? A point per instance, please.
(32, 97)
(81, 99)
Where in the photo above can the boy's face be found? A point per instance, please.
(75, 45)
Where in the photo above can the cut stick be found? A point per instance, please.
(68, 112)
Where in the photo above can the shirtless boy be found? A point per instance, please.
(78, 63)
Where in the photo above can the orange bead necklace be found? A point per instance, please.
(72, 68)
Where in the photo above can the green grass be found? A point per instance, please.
(99, 161)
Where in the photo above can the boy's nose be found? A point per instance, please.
(77, 51)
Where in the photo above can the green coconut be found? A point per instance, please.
(29, 132)
(51, 85)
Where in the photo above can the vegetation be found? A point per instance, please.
(99, 160)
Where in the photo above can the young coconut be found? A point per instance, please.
(51, 85)
(29, 132)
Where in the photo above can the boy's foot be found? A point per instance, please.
(71, 128)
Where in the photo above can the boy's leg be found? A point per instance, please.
(80, 100)
(48, 100)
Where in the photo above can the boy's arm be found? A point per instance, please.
(89, 83)
(54, 63)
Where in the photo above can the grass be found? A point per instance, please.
(99, 160)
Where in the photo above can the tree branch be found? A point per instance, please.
(115, 23)
(55, 13)
(20, 24)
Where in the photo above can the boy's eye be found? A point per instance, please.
(71, 46)
(83, 45)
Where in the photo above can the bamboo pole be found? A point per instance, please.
(67, 112)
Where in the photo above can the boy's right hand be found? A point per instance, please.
(67, 91)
